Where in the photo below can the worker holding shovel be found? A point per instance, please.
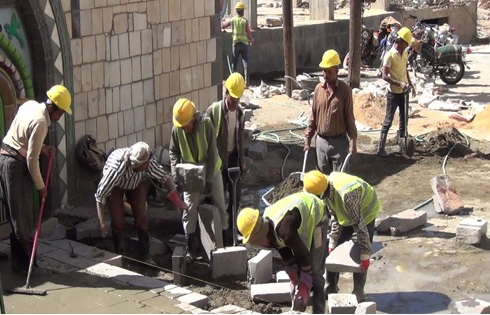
(227, 118)
(19, 167)
(193, 141)
(297, 227)
(123, 175)
(354, 206)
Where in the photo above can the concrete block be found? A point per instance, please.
(473, 306)
(402, 222)
(194, 299)
(228, 309)
(366, 308)
(210, 228)
(282, 276)
(260, 267)
(247, 114)
(271, 292)
(344, 258)
(342, 303)
(221, 258)
(48, 226)
(446, 199)
(475, 222)
(59, 233)
(468, 235)
(257, 150)
(179, 265)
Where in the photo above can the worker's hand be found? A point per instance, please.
(404, 86)
(174, 198)
(47, 150)
(364, 265)
(293, 275)
(307, 144)
(330, 249)
(302, 295)
(103, 229)
(43, 193)
(353, 148)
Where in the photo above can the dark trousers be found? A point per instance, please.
(240, 49)
(331, 153)
(395, 101)
(136, 198)
(359, 277)
(228, 185)
(18, 197)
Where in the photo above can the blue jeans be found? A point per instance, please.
(395, 101)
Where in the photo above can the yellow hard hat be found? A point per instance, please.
(315, 182)
(183, 112)
(405, 34)
(330, 59)
(246, 222)
(61, 97)
(235, 84)
(240, 6)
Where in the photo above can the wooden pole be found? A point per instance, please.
(289, 56)
(355, 43)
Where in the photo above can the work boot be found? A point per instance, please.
(192, 247)
(331, 283)
(18, 258)
(144, 246)
(381, 146)
(359, 282)
(119, 243)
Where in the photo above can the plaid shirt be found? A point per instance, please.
(353, 207)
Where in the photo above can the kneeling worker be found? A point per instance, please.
(297, 227)
(354, 206)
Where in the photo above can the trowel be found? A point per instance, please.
(406, 141)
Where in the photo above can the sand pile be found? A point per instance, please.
(287, 187)
(370, 110)
(482, 119)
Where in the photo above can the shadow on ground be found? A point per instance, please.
(420, 302)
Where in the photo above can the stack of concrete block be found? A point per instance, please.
(282, 276)
(471, 230)
(366, 308)
(271, 292)
(402, 222)
(210, 228)
(472, 306)
(191, 177)
(179, 265)
(229, 261)
(260, 267)
(344, 258)
(342, 303)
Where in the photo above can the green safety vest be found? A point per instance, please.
(216, 116)
(238, 25)
(311, 208)
(345, 183)
(202, 146)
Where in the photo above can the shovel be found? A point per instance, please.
(304, 165)
(407, 143)
(233, 175)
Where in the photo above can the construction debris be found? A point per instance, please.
(446, 199)
(402, 222)
(265, 91)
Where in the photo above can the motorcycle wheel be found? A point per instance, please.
(453, 74)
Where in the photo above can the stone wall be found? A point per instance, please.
(133, 58)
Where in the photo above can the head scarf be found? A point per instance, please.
(139, 153)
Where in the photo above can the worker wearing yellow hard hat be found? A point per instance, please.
(297, 227)
(354, 206)
(193, 141)
(332, 117)
(228, 120)
(394, 71)
(242, 38)
(19, 155)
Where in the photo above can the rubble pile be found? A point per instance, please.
(440, 141)
(265, 91)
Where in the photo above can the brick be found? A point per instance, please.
(101, 101)
(121, 24)
(201, 58)
(128, 122)
(342, 303)
(221, 258)
(193, 54)
(164, 86)
(87, 5)
(81, 110)
(76, 51)
(113, 122)
(174, 12)
(147, 66)
(211, 49)
(93, 104)
(137, 94)
(123, 45)
(194, 299)
(178, 33)
(168, 105)
(165, 60)
(271, 292)
(97, 75)
(344, 258)
(204, 28)
(79, 129)
(282, 276)
(199, 8)
(121, 142)
(151, 115)
(89, 53)
(100, 43)
(185, 80)
(260, 267)
(468, 235)
(148, 91)
(97, 27)
(209, 221)
(187, 9)
(402, 222)
(174, 83)
(77, 79)
(140, 21)
(157, 62)
(146, 41)
(475, 222)
(116, 96)
(473, 306)
(114, 47)
(107, 19)
(120, 118)
(139, 119)
(210, 8)
(174, 58)
(149, 137)
(102, 129)
(184, 54)
(125, 97)
(126, 76)
(114, 73)
(188, 31)
(154, 12)
(366, 308)
(91, 126)
(136, 68)
(166, 35)
(135, 46)
(85, 23)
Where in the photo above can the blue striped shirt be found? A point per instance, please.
(119, 173)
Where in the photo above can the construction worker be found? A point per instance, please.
(19, 167)
(242, 38)
(193, 141)
(332, 118)
(297, 227)
(354, 206)
(395, 72)
(227, 118)
(124, 174)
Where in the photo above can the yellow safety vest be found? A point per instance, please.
(238, 25)
(312, 211)
(345, 183)
(202, 146)
(216, 116)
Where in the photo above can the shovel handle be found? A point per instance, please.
(304, 161)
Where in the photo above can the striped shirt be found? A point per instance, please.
(119, 173)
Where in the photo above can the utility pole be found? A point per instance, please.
(355, 43)
(289, 55)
